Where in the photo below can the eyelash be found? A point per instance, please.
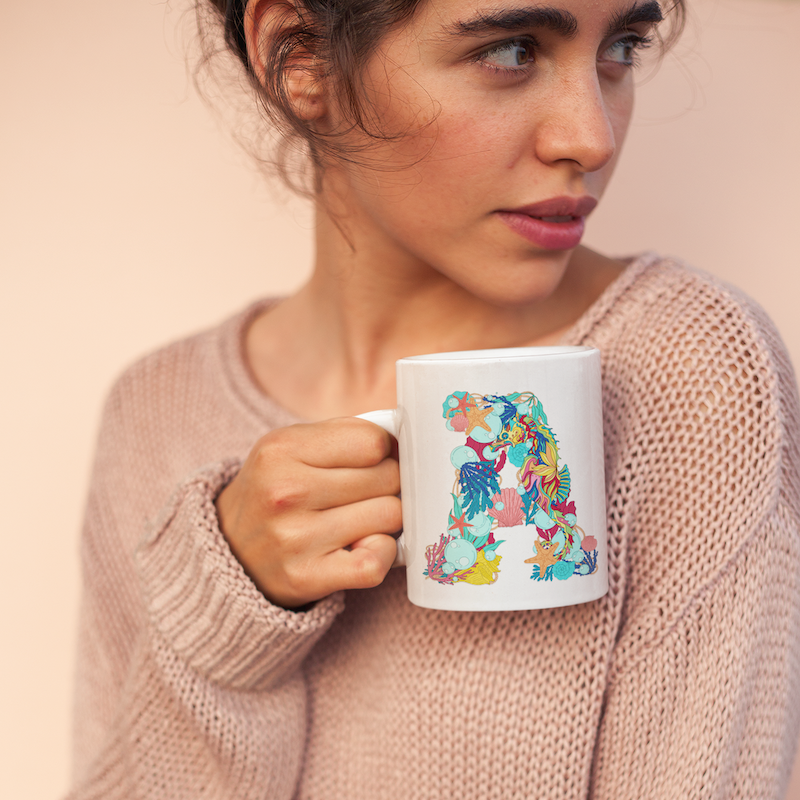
(527, 42)
(637, 42)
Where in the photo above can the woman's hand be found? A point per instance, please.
(312, 510)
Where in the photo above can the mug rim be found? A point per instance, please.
(500, 354)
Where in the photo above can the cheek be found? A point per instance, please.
(472, 149)
(620, 110)
(433, 189)
(438, 172)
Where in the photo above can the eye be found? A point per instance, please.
(511, 56)
(625, 51)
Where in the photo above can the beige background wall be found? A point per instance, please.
(128, 219)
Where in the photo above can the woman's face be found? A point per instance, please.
(506, 121)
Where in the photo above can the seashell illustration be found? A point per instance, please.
(563, 569)
(458, 422)
(508, 509)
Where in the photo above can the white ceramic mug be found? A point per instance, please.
(502, 478)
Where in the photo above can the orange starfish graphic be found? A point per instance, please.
(460, 523)
(464, 403)
(544, 556)
(476, 417)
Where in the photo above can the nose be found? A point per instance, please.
(577, 126)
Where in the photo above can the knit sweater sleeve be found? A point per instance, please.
(704, 491)
(189, 681)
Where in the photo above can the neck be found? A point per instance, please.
(330, 349)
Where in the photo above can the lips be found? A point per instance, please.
(557, 207)
(554, 224)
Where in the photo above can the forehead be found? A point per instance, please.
(564, 17)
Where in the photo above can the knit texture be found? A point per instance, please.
(683, 682)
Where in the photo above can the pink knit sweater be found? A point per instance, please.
(684, 681)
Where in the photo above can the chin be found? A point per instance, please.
(520, 285)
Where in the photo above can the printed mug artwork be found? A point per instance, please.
(504, 432)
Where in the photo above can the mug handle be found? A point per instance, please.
(386, 418)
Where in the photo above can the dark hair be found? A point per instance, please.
(340, 35)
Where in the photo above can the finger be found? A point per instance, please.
(308, 573)
(343, 526)
(344, 486)
(363, 566)
(344, 442)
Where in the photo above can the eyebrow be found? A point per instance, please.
(517, 19)
(554, 19)
(623, 20)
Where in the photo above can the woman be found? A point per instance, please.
(243, 634)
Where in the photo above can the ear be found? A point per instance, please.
(264, 22)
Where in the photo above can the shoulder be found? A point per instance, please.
(183, 406)
(684, 340)
(701, 430)
(185, 372)
(148, 392)
(678, 302)
(700, 413)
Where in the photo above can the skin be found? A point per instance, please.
(414, 258)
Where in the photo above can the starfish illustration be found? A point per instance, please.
(464, 403)
(460, 523)
(476, 417)
(544, 556)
